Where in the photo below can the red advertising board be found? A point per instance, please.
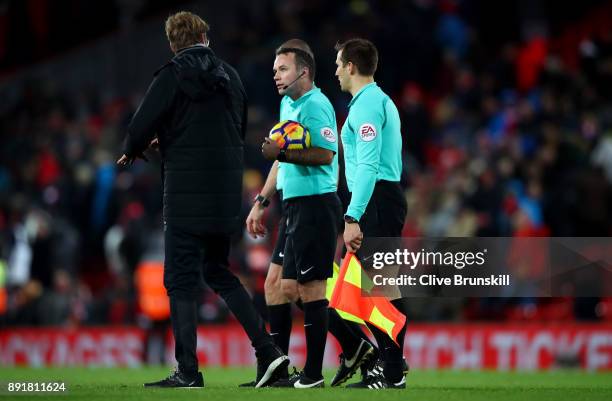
(427, 346)
(66, 347)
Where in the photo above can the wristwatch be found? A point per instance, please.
(263, 201)
(350, 220)
(282, 155)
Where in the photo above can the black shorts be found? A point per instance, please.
(278, 254)
(384, 217)
(386, 212)
(279, 247)
(312, 230)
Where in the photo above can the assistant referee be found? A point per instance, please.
(372, 141)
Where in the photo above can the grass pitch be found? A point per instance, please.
(221, 384)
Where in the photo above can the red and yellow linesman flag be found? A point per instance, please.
(329, 290)
(376, 310)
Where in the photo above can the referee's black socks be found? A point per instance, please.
(390, 352)
(316, 319)
(393, 369)
(280, 325)
(401, 304)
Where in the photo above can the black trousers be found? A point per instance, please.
(191, 260)
(194, 259)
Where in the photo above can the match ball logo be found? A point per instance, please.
(367, 132)
(328, 134)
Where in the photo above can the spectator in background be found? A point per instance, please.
(54, 128)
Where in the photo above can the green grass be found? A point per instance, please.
(221, 384)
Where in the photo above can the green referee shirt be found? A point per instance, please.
(372, 141)
(315, 112)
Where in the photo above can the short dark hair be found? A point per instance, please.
(303, 54)
(361, 52)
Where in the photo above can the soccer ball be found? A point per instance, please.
(290, 135)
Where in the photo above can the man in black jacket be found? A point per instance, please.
(196, 110)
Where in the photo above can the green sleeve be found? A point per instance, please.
(321, 123)
(368, 144)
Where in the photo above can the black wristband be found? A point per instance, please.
(282, 155)
(263, 201)
(350, 220)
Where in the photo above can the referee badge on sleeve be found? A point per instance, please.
(367, 132)
(328, 134)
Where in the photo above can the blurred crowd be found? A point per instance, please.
(508, 140)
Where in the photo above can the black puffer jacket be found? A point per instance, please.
(197, 107)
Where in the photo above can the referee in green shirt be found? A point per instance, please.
(372, 142)
(313, 211)
(303, 102)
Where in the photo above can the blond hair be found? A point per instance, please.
(185, 29)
